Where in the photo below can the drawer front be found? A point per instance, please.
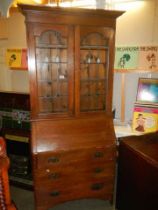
(64, 158)
(52, 195)
(82, 171)
(70, 182)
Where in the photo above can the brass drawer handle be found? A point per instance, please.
(53, 160)
(98, 170)
(54, 176)
(99, 154)
(55, 193)
(97, 186)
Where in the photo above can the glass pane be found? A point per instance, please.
(60, 104)
(45, 105)
(93, 71)
(94, 39)
(52, 74)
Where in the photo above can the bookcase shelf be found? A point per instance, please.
(15, 128)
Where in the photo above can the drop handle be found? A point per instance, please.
(55, 193)
(98, 170)
(53, 160)
(54, 176)
(98, 154)
(97, 186)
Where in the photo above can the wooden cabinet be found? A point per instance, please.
(71, 53)
(137, 173)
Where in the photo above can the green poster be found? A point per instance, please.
(126, 58)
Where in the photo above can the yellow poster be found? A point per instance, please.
(145, 119)
(13, 58)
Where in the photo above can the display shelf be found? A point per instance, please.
(25, 183)
(15, 128)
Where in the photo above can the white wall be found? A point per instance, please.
(139, 25)
(14, 37)
(136, 27)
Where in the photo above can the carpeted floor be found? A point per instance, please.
(24, 200)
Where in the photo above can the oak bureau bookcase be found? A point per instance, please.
(70, 55)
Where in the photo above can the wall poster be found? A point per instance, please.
(126, 58)
(17, 59)
(148, 58)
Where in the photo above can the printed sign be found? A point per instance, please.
(126, 58)
(24, 59)
(13, 58)
(145, 119)
(148, 58)
(17, 58)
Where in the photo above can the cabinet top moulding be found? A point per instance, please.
(80, 15)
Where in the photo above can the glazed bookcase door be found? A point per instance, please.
(94, 68)
(54, 71)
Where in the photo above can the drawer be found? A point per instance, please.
(63, 158)
(75, 171)
(70, 181)
(99, 189)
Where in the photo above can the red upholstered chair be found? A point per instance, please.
(5, 199)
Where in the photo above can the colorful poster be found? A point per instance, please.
(148, 58)
(24, 59)
(13, 58)
(145, 119)
(126, 58)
